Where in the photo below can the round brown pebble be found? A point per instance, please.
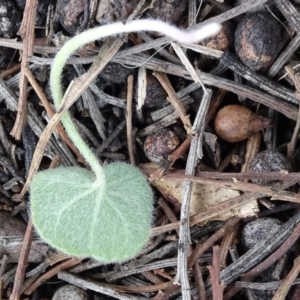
(235, 123)
(158, 146)
(269, 161)
(222, 40)
(258, 40)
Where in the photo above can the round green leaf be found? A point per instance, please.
(109, 222)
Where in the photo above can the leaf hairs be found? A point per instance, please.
(105, 213)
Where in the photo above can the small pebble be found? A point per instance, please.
(252, 233)
(258, 40)
(269, 161)
(158, 146)
(221, 41)
(115, 73)
(71, 292)
(257, 230)
(71, 15)
(155, 93)
(169, 11)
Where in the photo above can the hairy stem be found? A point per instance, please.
(98, 33)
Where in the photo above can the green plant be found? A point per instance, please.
(106, 213)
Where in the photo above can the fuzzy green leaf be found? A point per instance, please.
(74, 214)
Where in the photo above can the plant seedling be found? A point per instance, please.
(105, 213)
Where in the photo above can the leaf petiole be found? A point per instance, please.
(90, 35)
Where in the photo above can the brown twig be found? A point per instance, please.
(198, 251)
(171, 288)
(21, 269)
(172, 97)
(214, 271)
(148, 169)
(136, 289)
(275, 238)
(54, 271)
(252, 148)
(60, 130)
(27, 33)
(129, 119)
(10, 71)
(288, 281)
(273, 192)
(167, 210)
(199, 282)
(227, 242)
(167, 163)
(152, 277)
(201, 248)
(227, 160)
(20, 274)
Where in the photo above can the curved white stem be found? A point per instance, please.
(104, 31)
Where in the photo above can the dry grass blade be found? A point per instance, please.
(208, 79)
(192, 13)
(184, 230)
(184, 59)
(282, 59)
(203, 50)
(172, 98)
(88, 284)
